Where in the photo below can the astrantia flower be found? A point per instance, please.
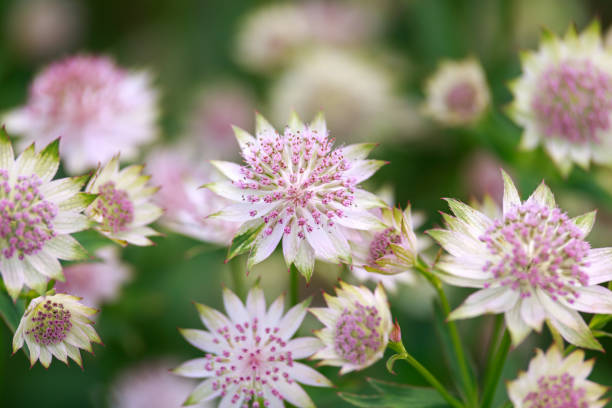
(553, 381)
(533, 264)
(56, 325)
(295, 187)
(186, 205)
(457, 93)
(96, 107)
(124, 205)
(564, 98)
(357, 326)
(96, 282)
(250, 358)
(36, 217)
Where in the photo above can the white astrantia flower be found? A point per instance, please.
(250, 357)
(296, 187)
(357, 327)
(533, 263)
(56, 325)
(37, 216)
(96, 107)
(557, 381)
(563, 100)
(457, 93)
(124, 207)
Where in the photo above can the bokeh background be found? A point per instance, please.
(217, 61)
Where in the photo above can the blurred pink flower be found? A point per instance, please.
(481, 176)
(98, 108)
(186, 204)
(96, 282)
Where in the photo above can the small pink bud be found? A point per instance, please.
(396, 333)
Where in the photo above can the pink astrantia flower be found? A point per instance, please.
(563, 100)
(186, 205)
(554, 381)
(533, 263)
(357, 327)
(96, 282)
(96, 107)
(250, 357)
(296, 187)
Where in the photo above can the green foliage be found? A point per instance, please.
(391, 395)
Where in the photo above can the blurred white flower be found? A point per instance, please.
(457, 93)
(96, 282)
(96, 107)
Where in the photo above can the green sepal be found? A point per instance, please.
(245, 238)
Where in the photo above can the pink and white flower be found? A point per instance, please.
(96, 107)
(357, 327)
(296, 187)
(556, 381)
(563, 100)
(533, 264)
(250, 357)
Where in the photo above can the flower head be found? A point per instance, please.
(357, 327)
(56, 325)
(564, 98)
(553, 381)
(37, 216)
(457, 93)
(294, 186)
(96, 107)
(532, 263)
(124, 206)
(250, 357)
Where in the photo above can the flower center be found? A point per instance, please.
(115, 207)
(250, 357)
(462, 98)
(556, 391)
(357, 333)
(302, 179)
(535, 246)
(25, 217)
(380, 244)
(51, 324)
(573, 101)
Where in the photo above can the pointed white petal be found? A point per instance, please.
(489, 300)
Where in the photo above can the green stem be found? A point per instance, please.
(294, 286)
(496, 334)
(238, 277)
(494, 371)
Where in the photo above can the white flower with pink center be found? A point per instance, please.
(563, 100)
(96, 107)
(357, 327)
(555, 381)
(123, 208)
(457, 93)
(37, 216)
(532, 263)
(56, 326)
(296, 188)
(251, 360)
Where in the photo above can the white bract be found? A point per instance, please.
(533, 263)
(296, 188)
(250, 357)
(37, 216)
(563, 100)
(357, 327)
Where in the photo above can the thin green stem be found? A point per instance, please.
(494, 371)
(238, 276)
(498, 329)
(294, 286)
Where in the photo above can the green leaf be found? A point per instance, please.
(599, 321)
(392, 395)
(8, 311)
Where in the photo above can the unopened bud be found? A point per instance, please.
(396, 333)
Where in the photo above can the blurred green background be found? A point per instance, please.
(190, 45)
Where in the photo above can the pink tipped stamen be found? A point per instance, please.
(557, 391)
(358, 336)
(115, 206)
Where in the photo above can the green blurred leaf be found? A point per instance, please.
(392, 395)
(9, 312)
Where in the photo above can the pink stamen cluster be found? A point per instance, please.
(299, 172)
(461, 98)
(557, 391)
(115, 206)
(357, 333)
(573, 101)
(536, 246)
(251, 357)
(51, 325)
(26, 219)
(380, 245)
